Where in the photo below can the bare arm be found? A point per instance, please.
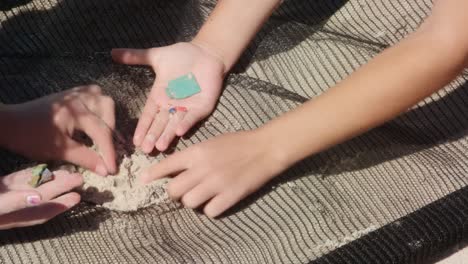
(221, 171)
(388, 85)
(209, 57)
(232, 25)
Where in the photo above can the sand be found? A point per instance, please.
(123, 192)
(120, 192)
(332, 202)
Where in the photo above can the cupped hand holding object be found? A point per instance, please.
(181, 63)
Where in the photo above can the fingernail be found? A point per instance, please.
(181, 109)
(101, 170)
(33, 200)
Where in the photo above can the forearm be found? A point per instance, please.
(388, 85)
(232, 25)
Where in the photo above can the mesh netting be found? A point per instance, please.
(396, 194)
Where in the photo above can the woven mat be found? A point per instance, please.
(396, 194)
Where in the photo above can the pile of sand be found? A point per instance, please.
(123, 191)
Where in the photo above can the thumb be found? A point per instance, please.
(85, 157)
(134, 56)
(16, 200)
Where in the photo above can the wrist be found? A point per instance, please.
(273, 153)
(242, 16)
(209, 49)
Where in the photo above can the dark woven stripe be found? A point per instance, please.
(427, 232)
(323, 202)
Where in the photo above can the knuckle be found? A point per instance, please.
(60, 115)
(94, 88)
(216, 182)
(76, 105)
(172, 191)
(108, 100)
(76, 179)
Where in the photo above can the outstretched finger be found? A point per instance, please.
(134, 56)
(189, 120)
(199, 195)
(155, 131)
(15, 200)
(83, 156)
(224, 201)
(39, 214)
(183, 183)
(175, 163)
(169, 132)
(107, 106)
(63, 182)
(16, 181)
(101, 134)
(144, 123)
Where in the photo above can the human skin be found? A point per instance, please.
(223, 170)
(209, 56)
(42, 130)
(22, 205)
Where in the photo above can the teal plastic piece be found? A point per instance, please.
(183, 87)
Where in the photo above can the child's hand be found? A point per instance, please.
(222, 170)
(156, 128)
(42, 129)
(22, 205)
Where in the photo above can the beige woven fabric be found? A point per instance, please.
(317, 206)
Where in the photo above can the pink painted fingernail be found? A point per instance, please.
(181, 109)
(101, 170)
(33, 200)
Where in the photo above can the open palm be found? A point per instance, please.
(156, 126)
